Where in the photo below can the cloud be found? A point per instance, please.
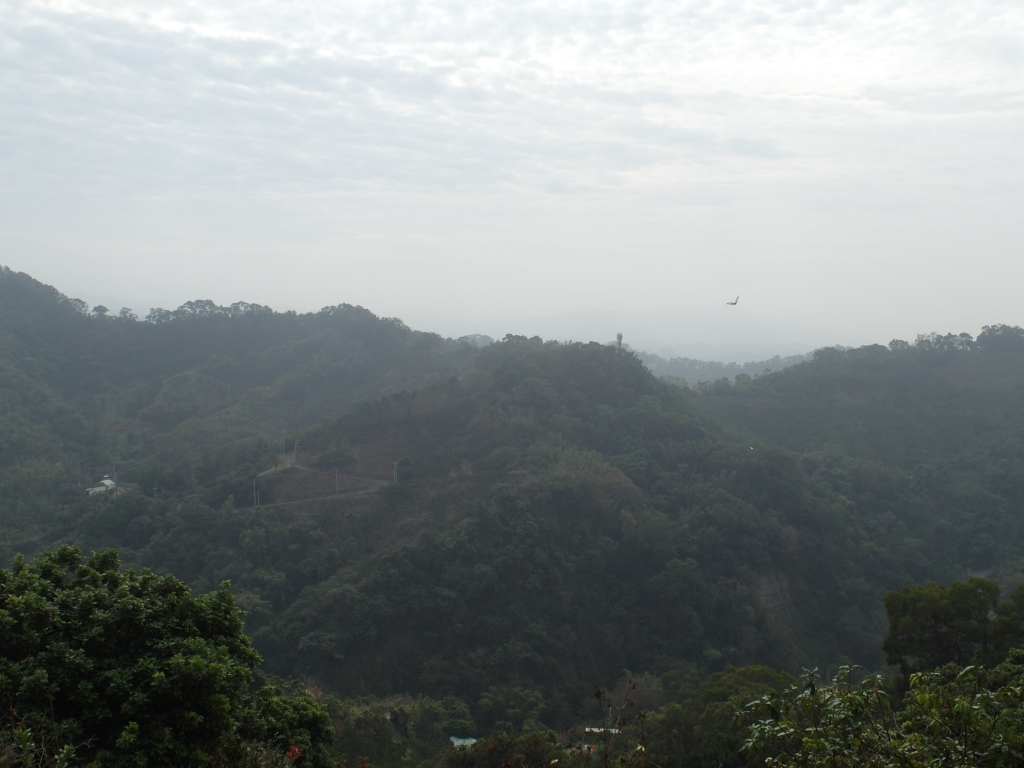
(316, 127)
(483, 93)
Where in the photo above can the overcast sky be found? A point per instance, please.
(852, 170)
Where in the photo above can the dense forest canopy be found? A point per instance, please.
(87, 393)
(502, 528)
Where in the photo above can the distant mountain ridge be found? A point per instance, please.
(692, 372)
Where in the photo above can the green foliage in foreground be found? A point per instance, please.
(135, 670)
(703, 729)
(950, 718)
(276, 722)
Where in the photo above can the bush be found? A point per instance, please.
(136, 667)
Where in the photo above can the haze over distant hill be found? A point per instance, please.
(707, 332)
(688, 371)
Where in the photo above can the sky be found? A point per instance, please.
(853, 171)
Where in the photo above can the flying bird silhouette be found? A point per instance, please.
(732, 303)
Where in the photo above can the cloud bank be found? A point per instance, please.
(850, 167)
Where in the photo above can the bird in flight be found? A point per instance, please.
(733, 303)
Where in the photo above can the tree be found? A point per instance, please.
(297, 726)
(515, 710)
(950, 718)
(129, 661)
(703, 730)
(1006, 628)
(930, 626)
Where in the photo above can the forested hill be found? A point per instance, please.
(929, 436)
(563, 486)
(560, 514)
(943, 397)
(87, 393)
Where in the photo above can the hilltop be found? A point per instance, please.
(171, 400)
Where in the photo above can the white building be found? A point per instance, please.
(104, 485)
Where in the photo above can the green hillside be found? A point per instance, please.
(561, 515)
(171, 401)
(930, 434)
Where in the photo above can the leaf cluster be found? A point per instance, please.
(949, 718)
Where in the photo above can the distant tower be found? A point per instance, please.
(618, 338)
